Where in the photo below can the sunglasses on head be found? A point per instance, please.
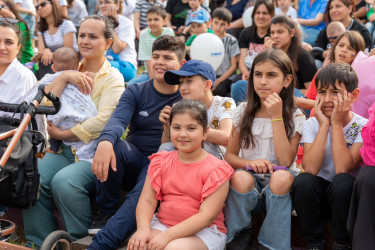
(9, 20)
(41, 5)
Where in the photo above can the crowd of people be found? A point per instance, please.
(272, 129)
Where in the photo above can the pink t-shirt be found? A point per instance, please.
(368, 134)
(182, 187)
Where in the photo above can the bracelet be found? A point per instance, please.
(275, 120)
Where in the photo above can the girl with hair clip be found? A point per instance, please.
(10, 11)
(122, 55)
(266, 134)
(345, 49)
(55, 30)
(191, 186)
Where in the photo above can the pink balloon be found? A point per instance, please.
(364, 65)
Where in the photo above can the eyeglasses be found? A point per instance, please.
(105, 2)
(332, 37)
(9, 20)
(41, 5)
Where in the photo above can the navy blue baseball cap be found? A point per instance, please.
(191, 68)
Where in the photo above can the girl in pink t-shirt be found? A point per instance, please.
(191, 186)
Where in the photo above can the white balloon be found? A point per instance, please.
(246, 17)
(208, 48)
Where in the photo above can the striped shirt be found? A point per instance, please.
(55, 41)
(142, 7)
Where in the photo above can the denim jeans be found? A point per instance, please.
(131, 173)
(239, 91)
(371, 28)
(276, 229)
(138, 79)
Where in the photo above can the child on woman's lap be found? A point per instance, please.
(266, 133)
(191, 186)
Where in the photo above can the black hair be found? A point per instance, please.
(14, 27)
(58, 17)
(12, 6)
(271, 10)
(170, 43)
(283, 62)
(340, 73)
(222, 14)
(157, 10)
(110, 23)
(196, 109)
(295, 43)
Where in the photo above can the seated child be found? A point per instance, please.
(194, 6)
(195, 78)
(191, 186)
(199, 23)
(332, 141)
(156, 19)
(75, 106)
(226, 72)
(284, 7)
(334, 30)
(266, 133)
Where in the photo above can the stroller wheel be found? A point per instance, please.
(58, 240)
(6, 229)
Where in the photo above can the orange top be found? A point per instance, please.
(182, 187)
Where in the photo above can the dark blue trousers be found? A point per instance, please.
(131, 173)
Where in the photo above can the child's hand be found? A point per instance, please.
(268, 42)
(274, 106)
(322, 119)
(186, 30)
(341, 109)
(164, 115)
(159, 241)
(139, 240)
(261, 166)
(245, 75)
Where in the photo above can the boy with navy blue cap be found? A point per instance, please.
(195, 79)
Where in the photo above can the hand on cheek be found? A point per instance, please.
(342, 107)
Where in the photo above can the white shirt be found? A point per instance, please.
(77, 12)
(26, 4)
(292, 12)
(126, 32)
(15, 82)
(352, 134)
(128, 9)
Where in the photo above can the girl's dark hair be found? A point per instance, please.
(355, 39)
(295, 44)
(12, 6)
(281, 61)
(57, 14)
(194, 108)
(14, 27)
(270, 8)
(347, 3)
(110, 23)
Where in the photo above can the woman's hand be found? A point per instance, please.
(46, 56)
(268, 42)
(274, 106)
(261, 166)
(112, 11)
(84, 81)
(139, 240)
(159, 241)
(245, 75)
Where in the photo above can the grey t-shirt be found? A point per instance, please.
(231, 50)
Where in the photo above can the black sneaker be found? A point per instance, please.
(338, 247)
(241, 241)
(98, 222)
(316, 246)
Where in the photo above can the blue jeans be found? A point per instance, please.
(239, 91)
(276, 228)
(131, 173)
(309, 35)
(68, 184)
(138, 79)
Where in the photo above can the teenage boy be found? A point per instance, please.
(156, 20)
(123, 163)
(221, 19)
(199, 23)
(331, 140)
(195, 79)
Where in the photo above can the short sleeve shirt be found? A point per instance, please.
(221, 108)
(125, 31)
(352, 134)
(55, 41)
(146, 40)
(231, 50)
(305, 12)
(254, 44)
(178, 10)
(142, 7)
(77, 12)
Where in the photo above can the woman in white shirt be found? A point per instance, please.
(122, 55)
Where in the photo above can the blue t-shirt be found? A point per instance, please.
(305, 12)
(139, 107)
